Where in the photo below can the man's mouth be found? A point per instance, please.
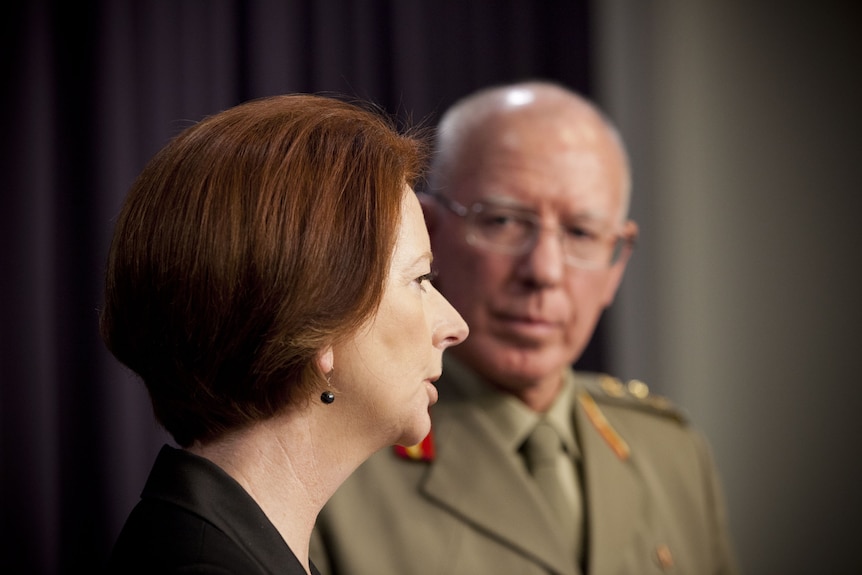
(527, 327)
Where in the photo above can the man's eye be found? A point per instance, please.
(502, 220)
(497, 221)
(581, 234)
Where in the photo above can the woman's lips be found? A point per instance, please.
(432, 391)
(433, 394)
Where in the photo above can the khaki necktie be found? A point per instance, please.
(554, 472)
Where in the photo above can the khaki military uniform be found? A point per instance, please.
(463, 503)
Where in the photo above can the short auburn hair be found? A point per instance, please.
(250, 242)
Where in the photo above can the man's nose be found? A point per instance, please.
(544, 263)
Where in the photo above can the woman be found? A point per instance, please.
(269, 280)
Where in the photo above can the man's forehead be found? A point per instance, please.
(522, 131)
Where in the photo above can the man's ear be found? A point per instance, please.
(615, 273)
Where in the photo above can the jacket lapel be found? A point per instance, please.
(473, 476)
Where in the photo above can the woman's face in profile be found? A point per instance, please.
(388, 368)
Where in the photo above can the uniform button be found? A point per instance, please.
(638, 388)
(664, 557)
(612, 386)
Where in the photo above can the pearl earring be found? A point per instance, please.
(327, 396)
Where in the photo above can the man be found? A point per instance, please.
(527, 210)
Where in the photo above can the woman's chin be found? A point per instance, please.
(416, 433)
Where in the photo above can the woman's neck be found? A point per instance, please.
(289, 467)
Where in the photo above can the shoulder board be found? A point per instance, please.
(635, 394)
(422, 451)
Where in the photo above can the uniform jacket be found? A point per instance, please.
(194, 518)
(653, 500)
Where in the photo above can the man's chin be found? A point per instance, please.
(512, 365)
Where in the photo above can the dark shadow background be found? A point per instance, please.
(92, 89)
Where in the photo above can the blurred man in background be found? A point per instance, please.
(531, 468)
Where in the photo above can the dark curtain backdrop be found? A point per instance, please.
(91, 91)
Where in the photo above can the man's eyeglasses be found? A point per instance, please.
(511, 230)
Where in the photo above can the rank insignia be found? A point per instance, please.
(422, 451)
(608, 433)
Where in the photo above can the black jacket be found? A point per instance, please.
(194, 518)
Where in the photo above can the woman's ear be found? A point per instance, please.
(326, 360)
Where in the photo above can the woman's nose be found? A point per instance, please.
(452, 330)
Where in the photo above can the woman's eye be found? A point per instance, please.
(429, 277)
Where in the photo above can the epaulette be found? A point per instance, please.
(635, 394)
(422, 451)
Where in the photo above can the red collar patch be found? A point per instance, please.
(423, 451)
